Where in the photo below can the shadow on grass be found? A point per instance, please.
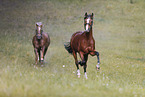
(135, 58)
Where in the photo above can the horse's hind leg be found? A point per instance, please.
(76, 62)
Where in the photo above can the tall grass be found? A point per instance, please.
(119, 33)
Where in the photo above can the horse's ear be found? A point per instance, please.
(92, 14)
(36, 25)
(41, 26)
(86, 14)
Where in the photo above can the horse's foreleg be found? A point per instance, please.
(39, 56)
(36, 55)
(76, 62)
(45, 51)
(93, 53)
(42, 54)
(85, 66)
(84, 62)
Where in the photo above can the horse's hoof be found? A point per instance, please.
(98, 67)
(78, 73)
(79, 62)
(86, 75)
(42, 61)
(79, 76)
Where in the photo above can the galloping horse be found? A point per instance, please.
(82, 42)
(40, 42)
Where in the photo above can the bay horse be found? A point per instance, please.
(40, 41)
(82, 42)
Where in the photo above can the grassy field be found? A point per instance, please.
(119, 32)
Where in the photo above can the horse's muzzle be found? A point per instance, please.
(39, 37)
(87, 31)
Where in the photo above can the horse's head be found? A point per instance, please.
(39, 30)
(88, 22)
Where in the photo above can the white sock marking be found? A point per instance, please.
(78, 73)
(86, 75)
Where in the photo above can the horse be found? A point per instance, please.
(40, 42)
(83, 43)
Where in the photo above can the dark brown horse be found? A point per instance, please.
(82, 42)
(40, 42)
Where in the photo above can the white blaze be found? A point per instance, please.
(87, 26)
(39, 28)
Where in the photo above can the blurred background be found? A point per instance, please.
(119, 33)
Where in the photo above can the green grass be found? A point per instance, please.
(119, 32)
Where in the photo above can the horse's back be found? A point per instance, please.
(75, 40)
(76, 35)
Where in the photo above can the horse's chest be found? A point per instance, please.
(87, 42)
(39, 45)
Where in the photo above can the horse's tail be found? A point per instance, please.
(68, 47)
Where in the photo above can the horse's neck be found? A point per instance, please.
(90, 34)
